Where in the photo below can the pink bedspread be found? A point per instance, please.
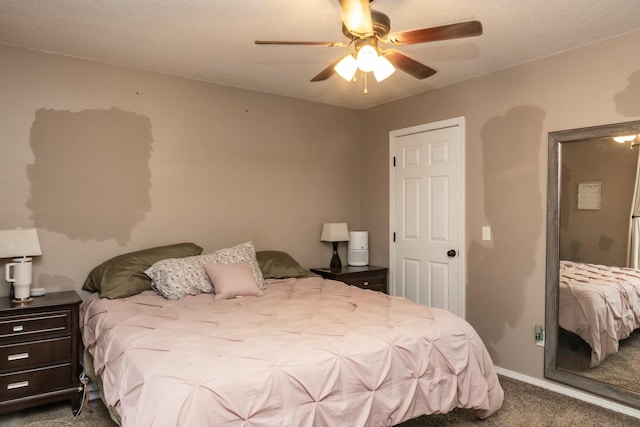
(309, 352)
(601, 304)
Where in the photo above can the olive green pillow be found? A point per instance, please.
(280, 265)
(123, 275)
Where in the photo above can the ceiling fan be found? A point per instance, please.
(366, 29)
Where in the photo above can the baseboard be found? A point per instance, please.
(571, 392)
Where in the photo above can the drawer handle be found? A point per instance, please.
(18, 328)
(18, 385)
(18, 356)
(365, 284)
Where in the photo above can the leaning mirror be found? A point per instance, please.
(593, 261)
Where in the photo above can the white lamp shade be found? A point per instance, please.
(335, 232)
(367, 57)
(347, 67)
(383, 68)
(21, 242)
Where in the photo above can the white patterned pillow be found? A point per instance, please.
(175, 278)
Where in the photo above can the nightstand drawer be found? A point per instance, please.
(380, 287)
(366, 282)
(35, 323)
(35, 381)
(35, 353)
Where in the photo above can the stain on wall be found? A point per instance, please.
(511, 170)
(627, 100)
(605, 243)
(575, 246)
(90, 178)
(55, 281)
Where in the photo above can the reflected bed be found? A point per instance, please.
(600, 304)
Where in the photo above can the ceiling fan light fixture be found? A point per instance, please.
(624, 138)
(347, 67)
(383, 69)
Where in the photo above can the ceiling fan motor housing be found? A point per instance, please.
(381, 25)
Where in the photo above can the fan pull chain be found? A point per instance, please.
(365, 84)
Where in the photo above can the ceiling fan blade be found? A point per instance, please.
(327, 72)
(408, 65)
(444, 32)
(298, 43)
(356, 17)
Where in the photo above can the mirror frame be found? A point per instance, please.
(551, 370)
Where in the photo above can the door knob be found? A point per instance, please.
(451, 253)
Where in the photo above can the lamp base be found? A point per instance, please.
(336, 264)
(22, 300)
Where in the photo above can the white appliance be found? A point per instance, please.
(358, 249)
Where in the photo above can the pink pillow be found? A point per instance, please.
(232, 280)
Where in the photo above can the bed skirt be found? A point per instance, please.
(87, 363)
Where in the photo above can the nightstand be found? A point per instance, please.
(367, 277)
(39, 351)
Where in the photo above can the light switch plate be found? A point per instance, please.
(486, 233)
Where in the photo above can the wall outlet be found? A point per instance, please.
(539, 335)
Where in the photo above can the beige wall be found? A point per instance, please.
(104, 160)
(221, 165)
(597, 236)
(508, 115)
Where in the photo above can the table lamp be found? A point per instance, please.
(19, 243)
(335, 232)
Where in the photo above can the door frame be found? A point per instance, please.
(462, 264)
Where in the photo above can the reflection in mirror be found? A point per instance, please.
(593, 285)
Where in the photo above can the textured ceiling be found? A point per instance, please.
(213, 40)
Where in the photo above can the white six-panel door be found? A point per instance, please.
(427, 214)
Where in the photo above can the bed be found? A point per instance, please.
(305, 352)
(600, 304)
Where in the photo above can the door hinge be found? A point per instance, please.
(394, 236)
(394, 161)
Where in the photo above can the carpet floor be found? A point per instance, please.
(621, 369)
(524, 405)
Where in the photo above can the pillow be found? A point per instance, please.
(123, 275)
(176, 278)
(280, 265)
(232, 280)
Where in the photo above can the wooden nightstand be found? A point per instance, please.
(367, 277)
(39, 351)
